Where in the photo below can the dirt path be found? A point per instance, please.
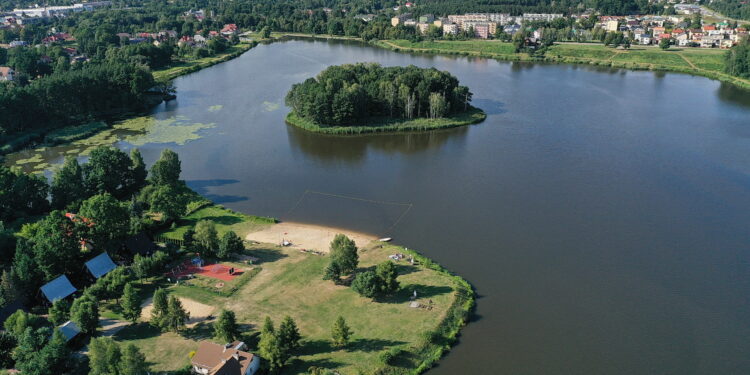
(304, 236)
(109, 327)
(689, 62)
(198, 311)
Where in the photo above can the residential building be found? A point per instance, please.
(450, 29)
(6, 73)
(482, 31)
(422, 27)
(427, 18)
(395, 21)
(229, 359)
(611, 25)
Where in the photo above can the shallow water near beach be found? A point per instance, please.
(602, 215)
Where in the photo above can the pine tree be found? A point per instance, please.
(160, 308)
(133, 361)
(230, 243)
(131, 304)
(104, 356)
(388, 275)
(226, 328)
(176, 315)
(367, 284)
(341, 333)
(139, 172)
(269, 346)
(59, 312)
(289, 337)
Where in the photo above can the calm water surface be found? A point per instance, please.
(602, 215)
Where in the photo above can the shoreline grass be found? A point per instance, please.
(707, 63)
(389, 125)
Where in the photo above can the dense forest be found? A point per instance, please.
(341, 95)
(738, 60)
(732, 8)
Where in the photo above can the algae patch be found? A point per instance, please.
(215, 108)
(138, 131)
(270, 107)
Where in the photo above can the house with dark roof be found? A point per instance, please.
(229, 359)
(69, 330)
(140, 244)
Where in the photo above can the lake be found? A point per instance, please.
(602, 215)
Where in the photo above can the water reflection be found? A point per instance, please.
(733, 94)
(353, 149)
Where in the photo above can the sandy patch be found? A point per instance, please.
(304, 236)
(198, 311)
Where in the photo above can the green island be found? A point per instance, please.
(368, 98)
(190, 274)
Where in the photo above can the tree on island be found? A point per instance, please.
(343, 95)
(341, 333)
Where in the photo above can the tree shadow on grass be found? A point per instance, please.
(312, 347)
(266, 255)
(302, 366)
(423, 291)
(200, 331)
(405, 269)
(372, 345)
(138, 331)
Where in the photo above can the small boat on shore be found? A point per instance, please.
(385, 239)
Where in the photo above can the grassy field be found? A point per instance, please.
(697, 61)
(289, 282)
(224, 219)
(189, 66)
(387, 125)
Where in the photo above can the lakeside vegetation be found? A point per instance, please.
(384, 125)
(709, 63)
(366, 96)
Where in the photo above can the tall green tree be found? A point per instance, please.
(160, 308)
(367, 284)
(344, 253)
(104, 356)
(177, 316)
(85, 314)
(59, 312)
(167, 200)
(226, 328)
(66, 188)
(133, 361)
(131, 303)
(206, 237)
(166, 170)
(105, 221)
(341, 333)
(7, 344)
(388, 275)
(56, 247)
(288, 336)
(139, 172)
(108, 171)
(230, 243)
(269, 346)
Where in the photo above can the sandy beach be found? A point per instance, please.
(306, 236)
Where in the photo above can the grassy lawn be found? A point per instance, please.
(596, 52)
(290, 283)
(478, 46)
(224, 219)
(709, 59)
(651, 55)
(192, 65)
(383, 125)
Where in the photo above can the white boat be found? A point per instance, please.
(385, 239)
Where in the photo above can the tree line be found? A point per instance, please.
(341, 95)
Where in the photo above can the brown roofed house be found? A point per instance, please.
(229, 359)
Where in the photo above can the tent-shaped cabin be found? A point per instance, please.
(100, 265)
(58, 288)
